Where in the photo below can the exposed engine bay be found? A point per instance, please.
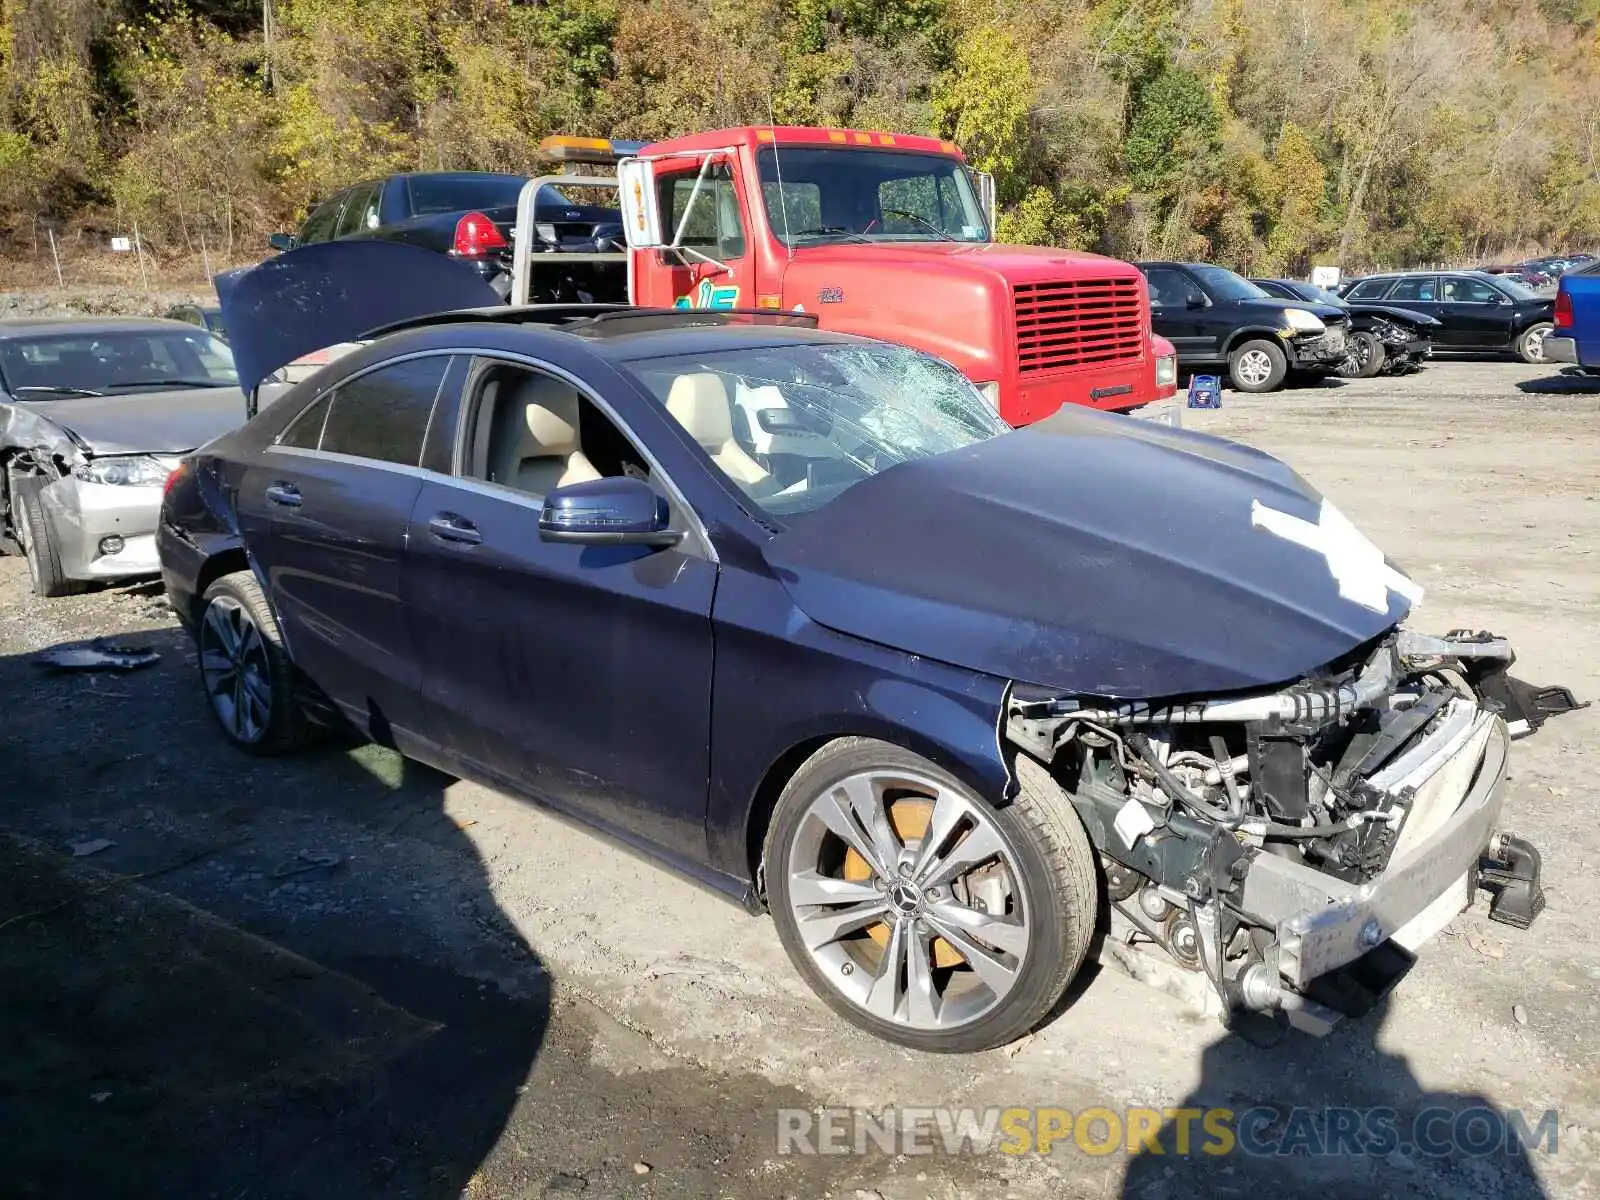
(1291, 850)
(1404, 348)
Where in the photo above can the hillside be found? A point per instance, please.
(1261, 133)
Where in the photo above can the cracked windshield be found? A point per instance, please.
(793, 426)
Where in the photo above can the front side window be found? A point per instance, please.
(708, 215)
(115, 363)
(792, 426)
(820, 193)
(1469, 291)
(384, 414)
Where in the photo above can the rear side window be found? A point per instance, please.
(384, 414)
(305, 431)
(1369, 289)
(360, 211)
(319, 226)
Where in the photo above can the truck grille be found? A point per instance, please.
(1077, 322)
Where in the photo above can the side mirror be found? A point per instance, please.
(1196, 300)
(618, 511)
(281, 241)
(641, 215)
(986, 197)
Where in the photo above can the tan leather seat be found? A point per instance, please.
(699, 402)
(536, 444)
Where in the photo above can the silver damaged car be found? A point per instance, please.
(94, 414)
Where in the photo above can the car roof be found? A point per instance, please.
(621, 332)
(41, 326)
(618, 336)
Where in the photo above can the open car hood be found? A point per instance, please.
(1097, 555)
(331, 292)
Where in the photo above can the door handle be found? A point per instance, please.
(285, 494)
(450, 528)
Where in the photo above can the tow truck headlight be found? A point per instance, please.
(127, 470)
(1167, 371)
(1301, 321)
(991, 392)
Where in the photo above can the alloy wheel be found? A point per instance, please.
(906, 895)
(1535, 344)
(236, 670)
(1255, 368)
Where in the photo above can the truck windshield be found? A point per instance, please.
(831, 192)
(792, 426)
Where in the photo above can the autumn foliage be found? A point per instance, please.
(1265, 134)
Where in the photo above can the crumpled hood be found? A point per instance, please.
(1096, 554)
(144, 422)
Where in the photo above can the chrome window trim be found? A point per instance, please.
(361, 374)
(697, 526)
(697, 533)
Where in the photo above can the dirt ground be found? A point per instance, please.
(478, 998)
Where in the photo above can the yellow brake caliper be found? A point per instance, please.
(910, 820)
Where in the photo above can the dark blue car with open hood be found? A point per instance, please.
(957, 704)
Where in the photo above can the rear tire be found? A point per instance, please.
(33, 533)
(246, 671)
(1022, 905)
(1257, 366)
(1530, 342)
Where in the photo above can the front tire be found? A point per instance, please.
(1257, 366)
(1530, 342)
(919, 912)
(36, 538)
(246, 671)
(1365, 358)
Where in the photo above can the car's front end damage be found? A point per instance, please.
(1319, 350)
(1405, 347)
(96, 466)
(1288, 851)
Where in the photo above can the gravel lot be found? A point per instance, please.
(606, 1013)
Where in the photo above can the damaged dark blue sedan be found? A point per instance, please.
(798, 615)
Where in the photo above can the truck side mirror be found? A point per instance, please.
(281, 241)
(986, 199)
(641, 215)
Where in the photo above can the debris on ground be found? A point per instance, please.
(101, 654)
(91, 846)
(641, 1168)
(1519, 1014)
(307, 860)
(1487, 946)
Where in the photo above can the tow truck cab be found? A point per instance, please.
(886, 235)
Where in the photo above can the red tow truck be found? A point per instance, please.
(881, 234)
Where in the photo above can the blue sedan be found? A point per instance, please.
(796, 614)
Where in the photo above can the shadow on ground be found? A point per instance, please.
(1570, 382)
(1333, 1117)
(150, 1048)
